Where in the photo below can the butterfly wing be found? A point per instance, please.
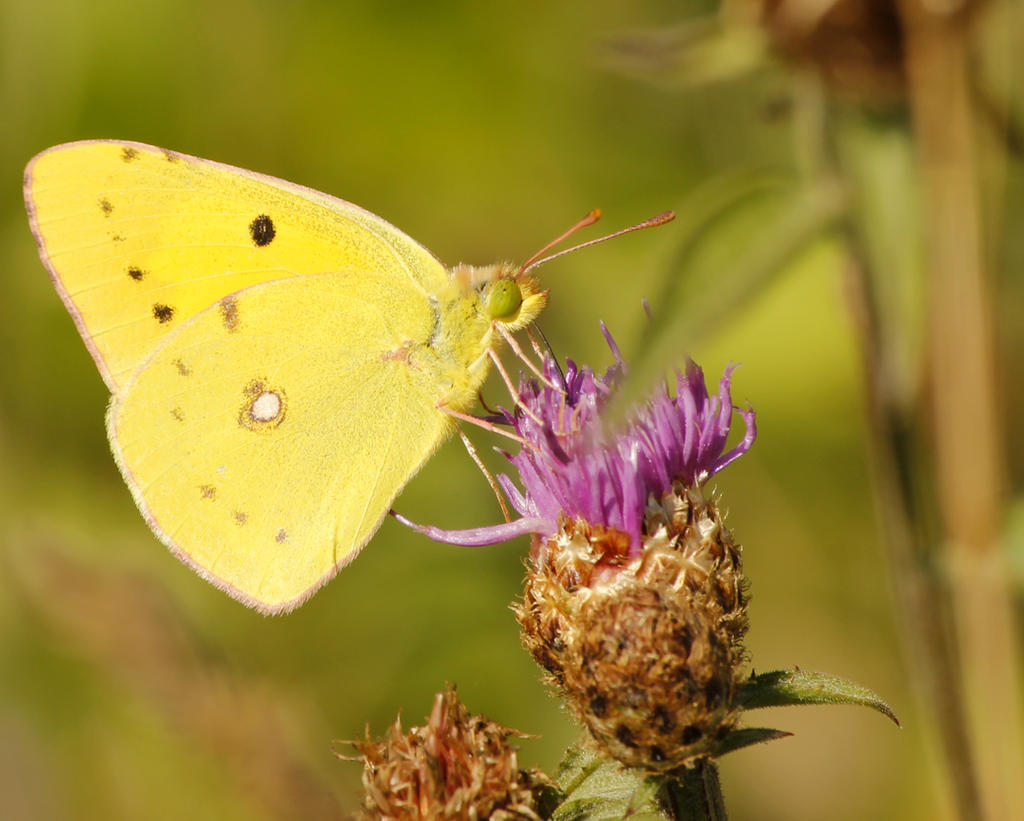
(265, 439)
(139, 239)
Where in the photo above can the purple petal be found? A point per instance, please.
(480, 536)
(750, 420)
(571, 466)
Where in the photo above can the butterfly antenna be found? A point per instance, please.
(534, 262)
(589, 219)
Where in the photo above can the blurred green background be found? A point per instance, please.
(130, 688)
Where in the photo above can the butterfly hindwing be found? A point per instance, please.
(265, 439)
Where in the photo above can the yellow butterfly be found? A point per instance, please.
(278, 359)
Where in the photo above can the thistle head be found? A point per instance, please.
(457, 765)
(635, 599)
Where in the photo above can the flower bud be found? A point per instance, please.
(646, 649)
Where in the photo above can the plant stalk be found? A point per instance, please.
(967, 429)
(694, 794)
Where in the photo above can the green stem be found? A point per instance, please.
(694, 794)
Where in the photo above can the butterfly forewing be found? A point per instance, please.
(139, 239)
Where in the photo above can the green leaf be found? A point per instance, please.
(747, 737)
(784, 687)
(595, 787)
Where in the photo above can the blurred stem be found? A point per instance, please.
(694, 794)
(922, 605)
(965, 416)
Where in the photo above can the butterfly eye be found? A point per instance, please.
(504, 299)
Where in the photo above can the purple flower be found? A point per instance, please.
(572, 467)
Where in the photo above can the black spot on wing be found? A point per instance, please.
(136, 273)
(262, 230)
(106, 206)
(128, 154)
(163, 313)
(117, 237)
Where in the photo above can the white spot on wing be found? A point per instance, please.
(266, 407)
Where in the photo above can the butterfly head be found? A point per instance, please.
(507, 294)
(514, 298)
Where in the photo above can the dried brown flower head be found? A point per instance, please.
(458, 766)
